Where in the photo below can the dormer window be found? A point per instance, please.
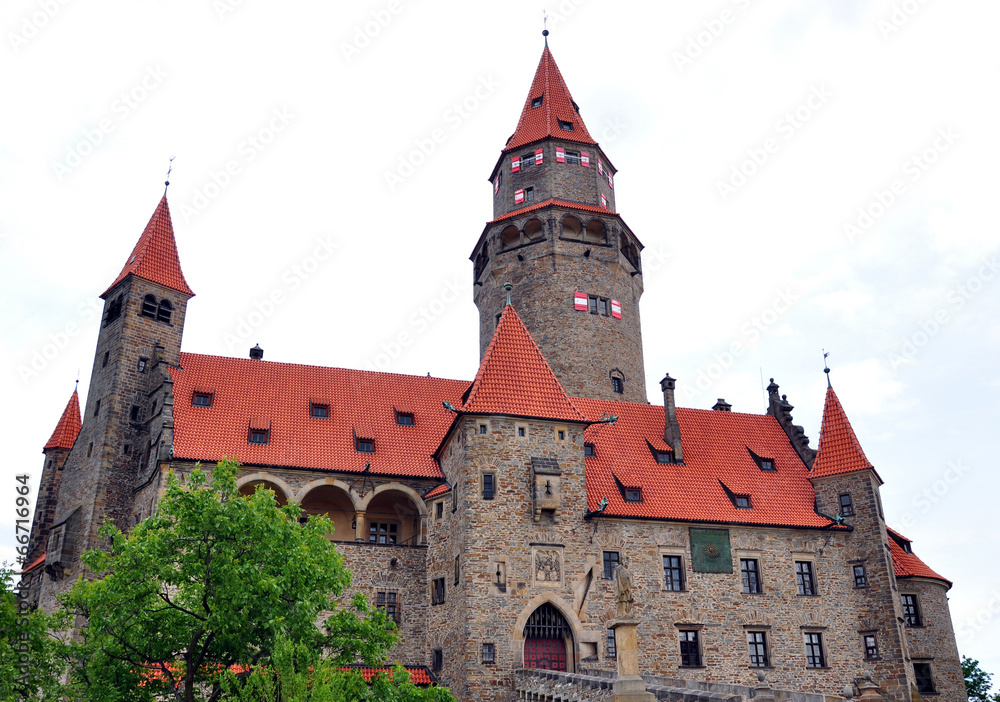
(664, 457)
(765, 464)
(364, 445)
(201, 399)
(565, 126)
(537, 102)
(405, 419)
(588, 450)
(633, 494)
(318, 411)
(259, 436)
(741, 501)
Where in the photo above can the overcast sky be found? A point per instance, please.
(802, 175)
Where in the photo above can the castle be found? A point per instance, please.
(488, 516)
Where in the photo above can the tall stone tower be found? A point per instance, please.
(574, 264)
(127, 420)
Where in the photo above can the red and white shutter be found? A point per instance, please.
(604, 201)
(611, 182)
(515, 164)
(560, 155)
(538, 157)
(519, 195)
(616, 309)
(496, 185)
(585, 159)
(600, 167)
(580, 301)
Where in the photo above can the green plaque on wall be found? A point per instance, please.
(710, 551)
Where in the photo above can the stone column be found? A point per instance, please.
(629, 685)
(359, 526)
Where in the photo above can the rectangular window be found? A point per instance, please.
(617, 385)
(482, 428)
(750, 574)
(860, 576)
(388, 601)
(804, 577)
(489, 654)
(673, 573)
(925, 682)
(529, 194)
(663, 457)
(258, 436)
(141, 365)
(520, 431)
(319, 411)
(201, 399)
(104, 363)
(611, 559)
(814, 651)
(439, 509)
(911, 610)
(871, 647)
(741, 501)
(757, 641)
(612, 644)
(593, 305)
(458, 569)
(438, 661)
(364, 445)
(488, 486)
(437, 594)
(134, 413)
(573, 158)
(561, 434)
(97, 408)
(588, 450)
(602, 305)
(565, 126)
(382, 532)
(405, 419)
(90, 449)
(767, 464)
(633, 494)
(690, 653)
(846, 506)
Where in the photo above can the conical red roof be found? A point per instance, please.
(154, 257)
(556, 105)
(839, 449)
(514, 378)
(68, 427)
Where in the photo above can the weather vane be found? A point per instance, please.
(170, 169)
(545, 27)
(826, 368)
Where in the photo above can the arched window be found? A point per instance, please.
(533, 229)
(596, 232)
(510, 237)
(572, 228)
(547, 639)
(163, 313)
(149, 307)
(617, 381)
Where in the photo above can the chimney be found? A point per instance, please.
(722, 406)
(256, 353)
(671, 430)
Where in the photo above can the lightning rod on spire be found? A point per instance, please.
(170, 169)
(826, 368)
(545, 27)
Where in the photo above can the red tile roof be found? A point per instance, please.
(839, 449)
(37, 562)
(514, 378)
(715, 449)
(68, 427)
(557, 104)
(419, 675)
(442, 489)
(154, 257)
(907, 565)
(277, 397)
(549, 202)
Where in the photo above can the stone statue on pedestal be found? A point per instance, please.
(623, 589)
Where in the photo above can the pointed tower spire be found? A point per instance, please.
(68, 427)
(839, 451)
(514, 378)
(549, 110)
(154, 257)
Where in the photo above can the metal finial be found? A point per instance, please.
(508, 287)
(545, 28)
(826, 368)
(166, 183)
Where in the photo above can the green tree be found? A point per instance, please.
(30, 656)
(977, 682)
(213, 580)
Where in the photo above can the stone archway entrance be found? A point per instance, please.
(548, 640)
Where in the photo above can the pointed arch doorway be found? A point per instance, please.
(548, 640)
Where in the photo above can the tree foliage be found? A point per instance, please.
(30, 655)
(977, 682)
(212, 582)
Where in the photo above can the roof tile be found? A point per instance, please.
(68, 427)
(154, 257)
(839, 449)
(908, 565)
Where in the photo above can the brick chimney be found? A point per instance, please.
(722, 406)
(671, 430)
